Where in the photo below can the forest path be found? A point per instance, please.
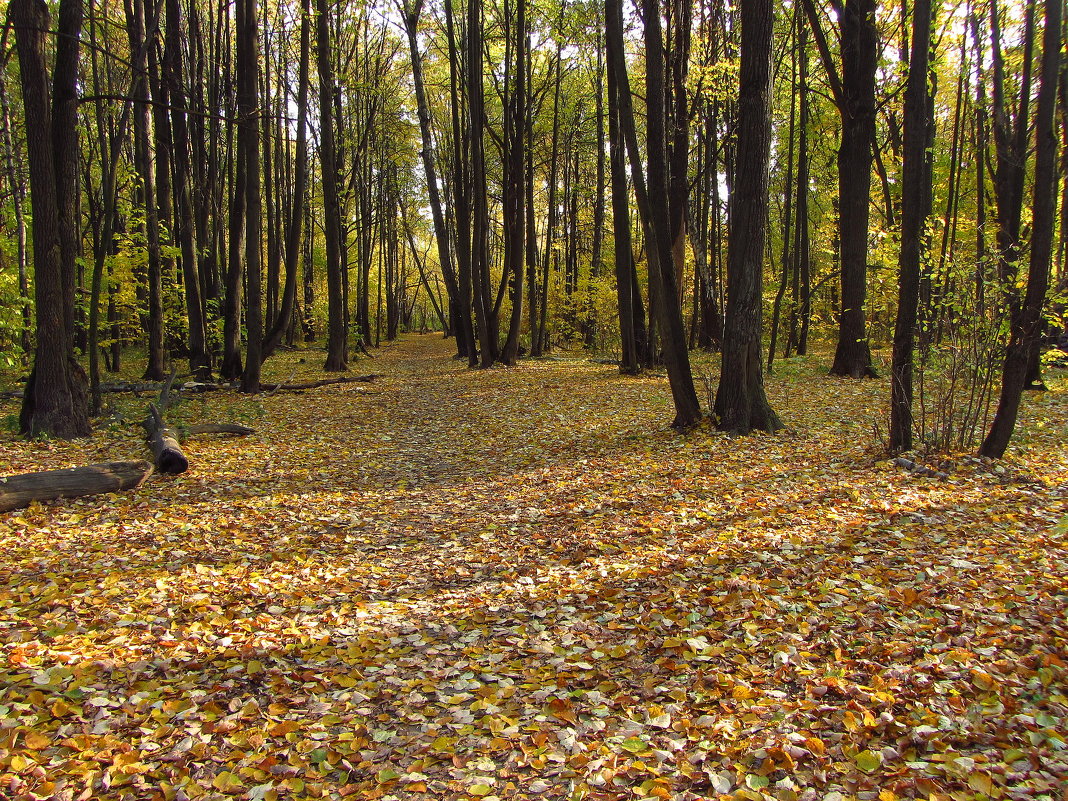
(518, 582)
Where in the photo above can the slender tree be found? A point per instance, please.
(293, 230)
(914, 208)
(337, 342)
(248, 65)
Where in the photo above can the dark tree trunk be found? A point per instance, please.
(1026, 325)
(300, 190)
(199, 363)
(441, 231)
(630, 361)
(854, 95)
(479, 194)
(72, 482)
(913, 222)
(461, 196)
(248, 134)
(337, 341)
(54, 402)
(662, 272)
(145, 161)
(741, 404)
(514, 196)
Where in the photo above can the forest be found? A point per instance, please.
(559, 399)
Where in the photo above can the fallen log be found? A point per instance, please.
(163, 441)
(72, 482)
(918, 469)
(139, 388)
(346, 379)
(218, 428)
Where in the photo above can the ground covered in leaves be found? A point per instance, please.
(518, 583)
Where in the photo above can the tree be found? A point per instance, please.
(655, 217)
(199, 361)
(410, 15)
(741, 404)
(915, 207)
(300, 190)
(337, 343)
(248, 150)
(1024, 334)
(854, 97)
(55, 401)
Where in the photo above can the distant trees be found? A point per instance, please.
(527, 177)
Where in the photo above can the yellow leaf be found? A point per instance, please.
(226, 782)
(61, 709)
(35, 741)
(981, 783)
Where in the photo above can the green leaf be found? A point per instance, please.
(634, 745)
(868, 761)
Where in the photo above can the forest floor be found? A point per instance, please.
(520, 583)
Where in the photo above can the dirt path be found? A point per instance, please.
(517, 583)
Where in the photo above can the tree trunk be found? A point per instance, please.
(1026, 325)
(145, 162)
(741, 404)
(55, 401)
(300, 192)
(337, 341)
(515, 212)
(913, 224)
(249, 135)
(854, 96)
(663, 281)
(199, 363)
(441, 231)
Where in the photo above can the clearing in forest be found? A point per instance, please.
(519, 583)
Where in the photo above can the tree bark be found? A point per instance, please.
(163, 441)
(663, 279)
(248, 64)
(199, 361)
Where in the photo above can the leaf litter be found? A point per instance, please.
(519, 583)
